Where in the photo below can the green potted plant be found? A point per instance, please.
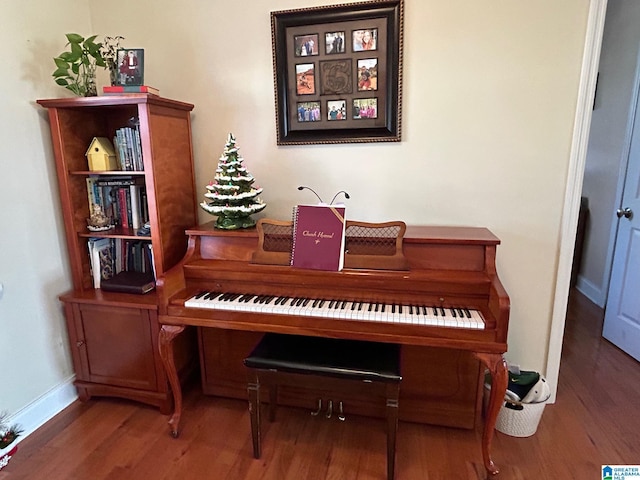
(76, 68)
(109, 52)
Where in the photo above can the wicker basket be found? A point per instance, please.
(519, 420)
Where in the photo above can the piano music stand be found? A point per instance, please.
(367, 245)
(326, 363)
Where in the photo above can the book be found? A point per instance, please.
(101, 259)
(130, 282)
(122, 89)
(318, 237)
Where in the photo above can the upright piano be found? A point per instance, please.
(447, 295)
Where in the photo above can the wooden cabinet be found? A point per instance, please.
(113, 336)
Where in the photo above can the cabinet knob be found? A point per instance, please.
(80, 343)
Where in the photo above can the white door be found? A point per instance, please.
(622, 315)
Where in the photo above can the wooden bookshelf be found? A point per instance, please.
(113, 336)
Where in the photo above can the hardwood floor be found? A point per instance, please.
(594, 421)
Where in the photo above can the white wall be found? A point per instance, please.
(489, 101)
(35, 358)
(490, 92)
(606, 157)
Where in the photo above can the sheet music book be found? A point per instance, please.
(318, 237)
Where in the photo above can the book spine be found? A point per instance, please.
(134, 191)
(90, 193)
(122, 203)
(138, 145)
(293, 241)
(130, 89)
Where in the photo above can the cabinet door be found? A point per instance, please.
(115, 346)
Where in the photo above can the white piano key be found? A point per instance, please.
(459, 317)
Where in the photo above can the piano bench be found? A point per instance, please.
(327, 363)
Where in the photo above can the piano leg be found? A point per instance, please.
(165, 344)
(499, 379)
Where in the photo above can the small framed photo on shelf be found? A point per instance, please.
(130, 66)
(338, 73)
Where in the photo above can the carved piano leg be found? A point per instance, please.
(499, 380)
(165, 344)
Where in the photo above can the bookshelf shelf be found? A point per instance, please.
(113, 336)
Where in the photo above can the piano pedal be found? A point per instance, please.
(317, 412)
(329, 409)
(341, 416)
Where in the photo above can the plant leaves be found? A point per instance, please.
(60, 63)
(74, 38)
(61, 81)
(61, 72)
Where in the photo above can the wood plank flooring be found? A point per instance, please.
(595, 421)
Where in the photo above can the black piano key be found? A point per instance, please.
(442, 312)
(200, 295)
(270, 299)
(376, 307)
(353, 306)
(343, 304)
(360, 306)
(306, 301)
(331, 303)
(315, 303)
(321, 304)
(460, 312)
(399, 308)
(453, 312)
(370, 306)
(435, 311)
(293, 301)
(467, 313)
(383, 306)
(411, 309)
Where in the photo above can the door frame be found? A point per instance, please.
(573, 190)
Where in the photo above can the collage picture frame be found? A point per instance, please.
(338, 73)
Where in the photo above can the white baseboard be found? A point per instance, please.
(44, 408)
(589, 290)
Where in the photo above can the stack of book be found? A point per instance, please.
(128, 148)
(115, 260)
(126, 89)
(123, 199)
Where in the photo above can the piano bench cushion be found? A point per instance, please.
(338, 358)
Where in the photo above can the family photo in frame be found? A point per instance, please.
(130, 63)
(338, 73)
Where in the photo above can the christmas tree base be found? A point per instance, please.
(234, 223)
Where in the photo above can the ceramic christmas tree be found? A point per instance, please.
(231, 196)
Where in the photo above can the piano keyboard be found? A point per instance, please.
(338, 309)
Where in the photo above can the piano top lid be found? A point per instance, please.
(415, 234)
